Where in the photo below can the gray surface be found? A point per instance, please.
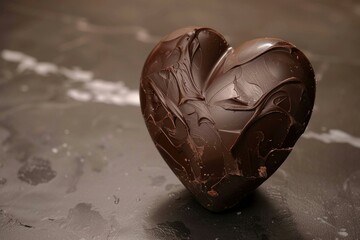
(76, 161)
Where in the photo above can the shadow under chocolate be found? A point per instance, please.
(257, 216)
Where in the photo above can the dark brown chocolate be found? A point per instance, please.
(225, 119)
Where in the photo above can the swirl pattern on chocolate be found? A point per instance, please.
(225, 119)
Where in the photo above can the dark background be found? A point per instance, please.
(77, 162)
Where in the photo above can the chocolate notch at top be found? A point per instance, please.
(225, 119)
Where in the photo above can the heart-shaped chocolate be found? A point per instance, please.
(225, 119)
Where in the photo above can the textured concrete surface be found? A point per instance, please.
(76, 161)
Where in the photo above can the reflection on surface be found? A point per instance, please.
(257, 217)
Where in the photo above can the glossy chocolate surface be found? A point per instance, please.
(225, 119)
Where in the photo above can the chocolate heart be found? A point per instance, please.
(225, 119)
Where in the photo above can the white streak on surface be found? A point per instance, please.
(321, 71)
(141, 34)
(12, 56)
(333, 136)
(343, 232)
(322, 220)
(77, 74)
(106, 92)
(79, 95)
(93, 90)
(29, 63)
